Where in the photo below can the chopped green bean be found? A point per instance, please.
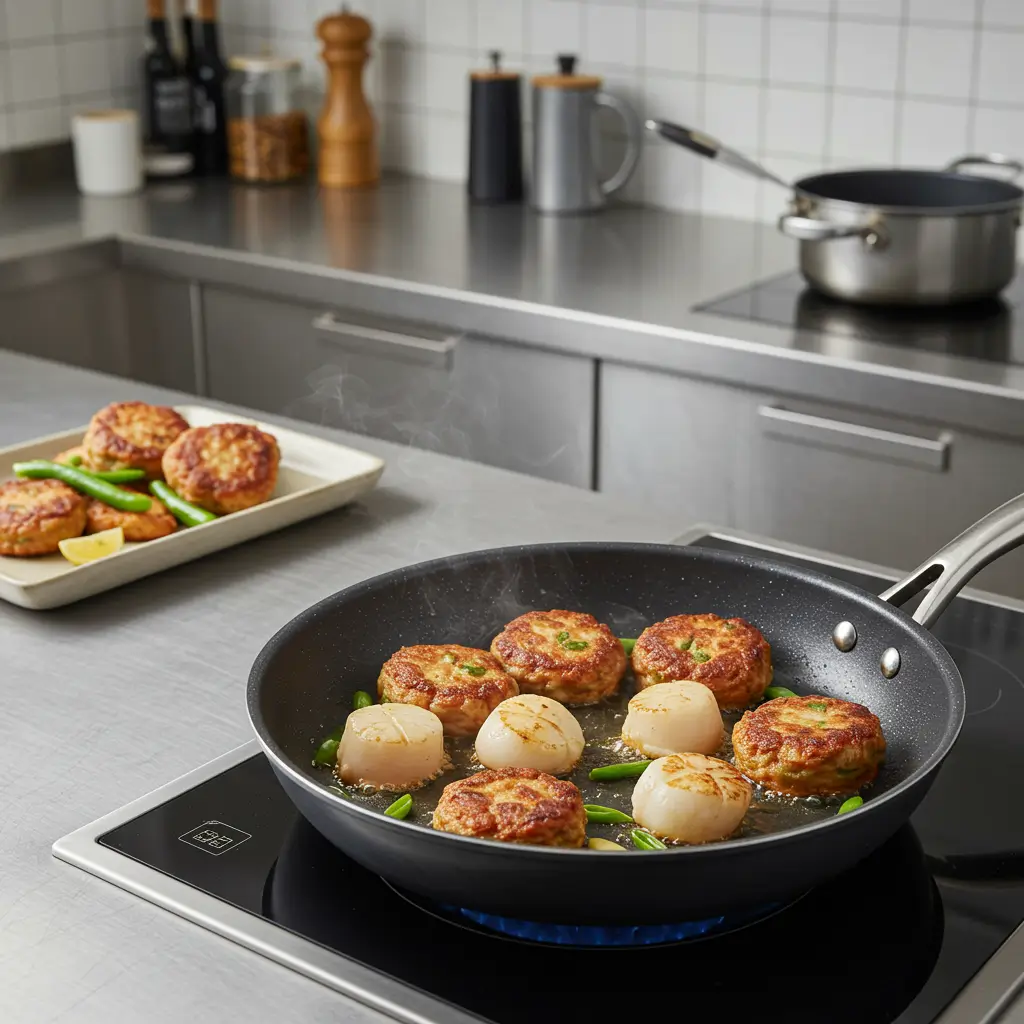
(685, 645)
(361, 699)
(645, 841)
(701, 656)
(605, 815)
(560, 638)
(613, 772)
(327, 752)
(777, 691)
(575, 645)
(75, 460)
(850, 805)
(109, 494)
(473, 670)
(400, 808)
(817, 706)
(628, 643)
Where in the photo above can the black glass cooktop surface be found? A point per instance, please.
(894, 939)
(990, 329)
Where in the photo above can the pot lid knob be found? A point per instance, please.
(567, 63)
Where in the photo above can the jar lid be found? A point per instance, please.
(260, 65)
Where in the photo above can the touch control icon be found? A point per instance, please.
(215, 837)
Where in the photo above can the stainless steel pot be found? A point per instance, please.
(893, 236)
(907, 237)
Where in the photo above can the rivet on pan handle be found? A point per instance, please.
(953, 566)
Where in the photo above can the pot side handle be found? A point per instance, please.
(987, 160)
(811, 229)
(953, 566)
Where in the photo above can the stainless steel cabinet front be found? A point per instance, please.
(883, 489)
(488, 401)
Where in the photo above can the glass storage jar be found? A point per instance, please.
(268, 135)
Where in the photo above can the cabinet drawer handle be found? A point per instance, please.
(922, 452)
(427, 347)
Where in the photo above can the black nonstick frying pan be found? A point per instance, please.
(303, 681)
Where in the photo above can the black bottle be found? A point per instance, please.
(168, 96)
(208, 74)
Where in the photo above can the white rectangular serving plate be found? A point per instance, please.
(315, 476)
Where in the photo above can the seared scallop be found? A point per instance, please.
(673, 718)
(729, 656)
(530, 731)
(809, 746)
(132, 435)
(458, 684)
(691, 798)
(36, 515)
(568, 656)
(391, 747)
(515, 805)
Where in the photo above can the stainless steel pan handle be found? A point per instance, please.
(952, 567)
(811, 229)
(987, 160)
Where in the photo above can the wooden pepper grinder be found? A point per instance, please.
(348, 143)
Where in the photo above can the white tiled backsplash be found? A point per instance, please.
(800, 84)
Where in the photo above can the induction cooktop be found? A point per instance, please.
(990, 329)
(923, 930)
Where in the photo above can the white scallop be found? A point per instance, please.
(391, 746)
(530, 731)
(690, 797)
(673, 718)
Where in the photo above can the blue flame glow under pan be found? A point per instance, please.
(620, 935)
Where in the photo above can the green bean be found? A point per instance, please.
(185, 512)
(605, 815)
(400, 808)
(850, 805)
(117, 476)
(614, 772)
(327, 752)
(628, 643)
(75, 460)
(777, 691)
(126, 501)
(361, 699)
(645, 841)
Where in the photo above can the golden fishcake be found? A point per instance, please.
(131, 435)
(36, 515)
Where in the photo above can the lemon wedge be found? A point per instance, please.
(79, 550)
(603, 844)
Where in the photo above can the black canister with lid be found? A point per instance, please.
(495, 135)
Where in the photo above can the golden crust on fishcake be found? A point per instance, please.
(36, 515)
(566, 655)
(514, 805)
(80, 451)
(132, 435)
(137, 526)
(223, 468)
(809, 746)
(461, 685)
(729, 656)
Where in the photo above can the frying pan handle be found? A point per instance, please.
(987, 160)
(953, 566)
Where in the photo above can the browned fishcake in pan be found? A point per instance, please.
(729, 656)
(223, 468)
(515, 805)
(809, 746)
(566, 655)
(36, 515)
(131, 435)
(460, 685)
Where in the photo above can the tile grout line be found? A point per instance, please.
(901, 80)
(972, 88)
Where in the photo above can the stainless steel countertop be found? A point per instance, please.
(105, 700)
(619, 286)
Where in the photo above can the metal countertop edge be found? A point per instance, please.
(983, 1000)
(976, 405)
(367, 986)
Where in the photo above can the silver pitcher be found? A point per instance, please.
(565, 171)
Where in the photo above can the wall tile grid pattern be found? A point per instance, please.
(60, 56)
(801, 84)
